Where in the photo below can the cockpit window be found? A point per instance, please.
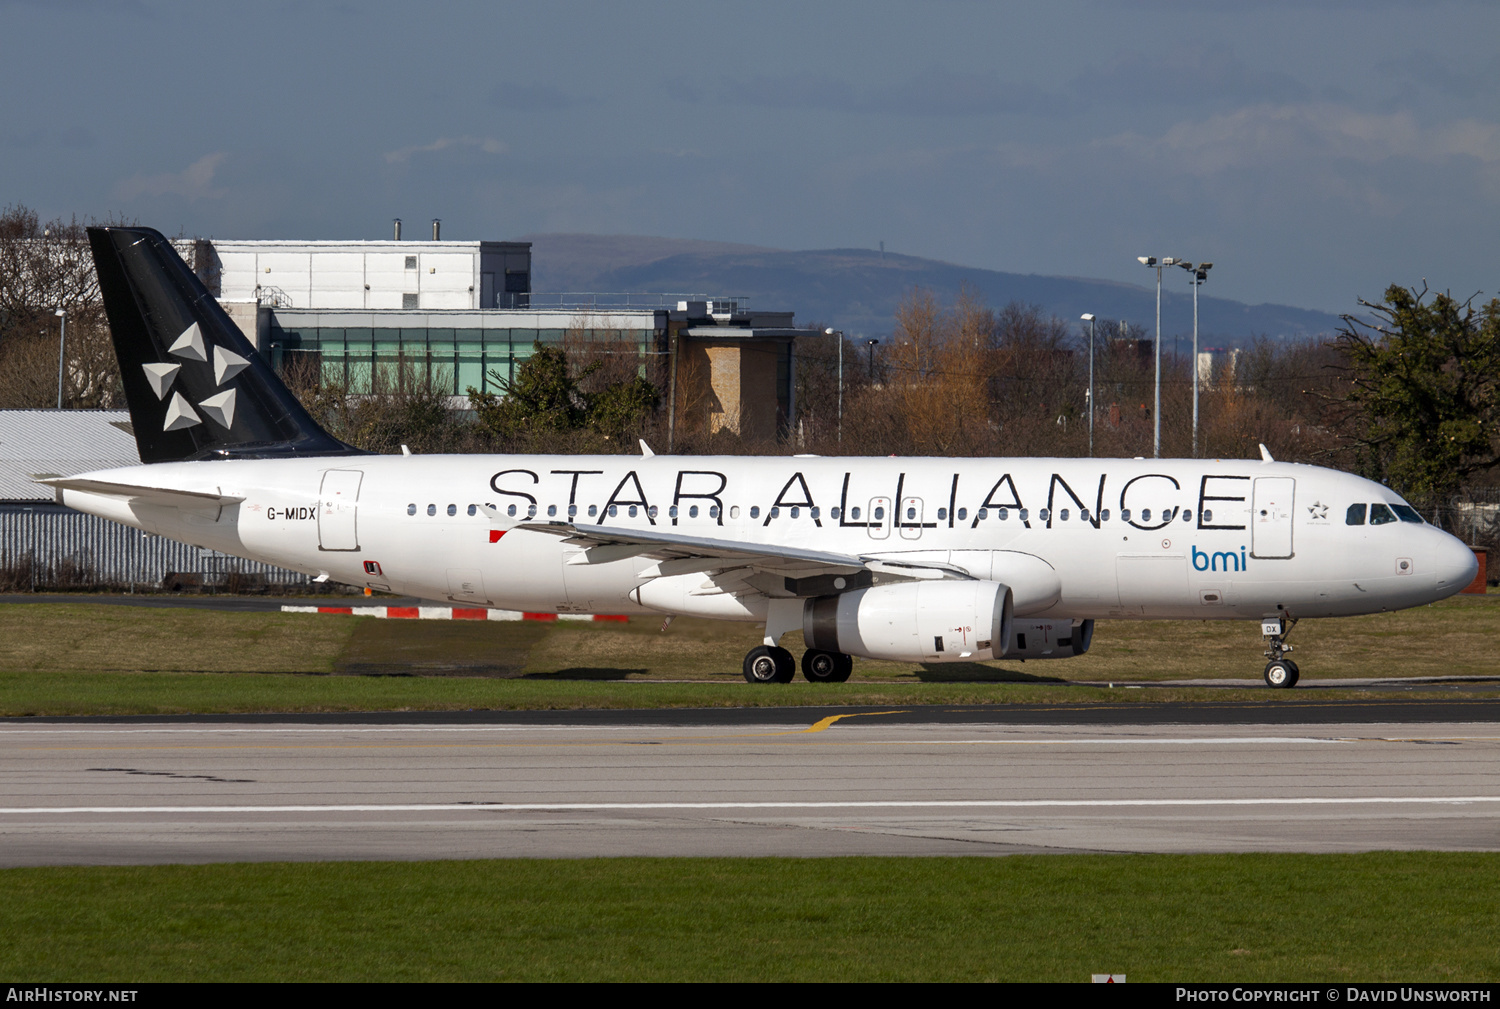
(1380, 515)
(1355, 516)
(1407, 513)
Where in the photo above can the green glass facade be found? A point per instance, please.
(454, 354)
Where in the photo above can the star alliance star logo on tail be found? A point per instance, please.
(219, 407)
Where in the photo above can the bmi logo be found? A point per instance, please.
(219, 407)
(1219, 560)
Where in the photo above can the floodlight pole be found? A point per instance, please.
(1157, 264)
(1197, 277)
(1088, 317)
(871, 344)
(840, 335)
(62, 343)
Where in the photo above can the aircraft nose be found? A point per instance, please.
(1455, 564)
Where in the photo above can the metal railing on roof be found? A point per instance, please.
(632, 299)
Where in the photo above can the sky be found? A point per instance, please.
(1316, 151)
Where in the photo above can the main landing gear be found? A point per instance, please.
(770, 663)
(1281, 672)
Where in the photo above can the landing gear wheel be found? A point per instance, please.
(770, 665)
(826, 667)
(1296, 673)
(1281, 673)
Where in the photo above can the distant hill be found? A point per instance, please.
(857, 290)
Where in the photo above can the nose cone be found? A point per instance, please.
(1455, 564)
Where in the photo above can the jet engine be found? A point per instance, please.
(925, 621)
(1049, 639)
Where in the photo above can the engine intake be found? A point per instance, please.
(925, 621)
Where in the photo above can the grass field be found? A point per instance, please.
(82, 658)
(1375, 917)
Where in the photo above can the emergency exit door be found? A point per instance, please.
(1271, 516)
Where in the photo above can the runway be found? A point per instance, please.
(808, 785)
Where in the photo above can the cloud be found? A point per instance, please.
(194, 182)
(1187, 76)
(932, 93)
(531, 97)
(1282, 133)
(486, 144)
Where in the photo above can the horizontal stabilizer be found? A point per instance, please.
(136, 492)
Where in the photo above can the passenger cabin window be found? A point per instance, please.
(713, 511)
(833, 512)
(692, 511)
(755, 511)
(1145, 514)
(1187, 516)
(796, 511)
(511, 511)
(411, 509)
(552, 511)
(1043, 515)
(1406, 513)
(1023, 513)
(593, 510)
(879, 514)
(432, 509)
(1380, 515)
(572, 511)
(452, 510)
(734, 511)
(1124, 514)
(1063, 514)
(963, 513)
(855, 512)
(473, 510)
(1104, 515)
(942, 514)
(813, 512)
(1208, 515)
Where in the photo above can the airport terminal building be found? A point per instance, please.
(462, 316)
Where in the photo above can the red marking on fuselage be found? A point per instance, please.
(495, 535)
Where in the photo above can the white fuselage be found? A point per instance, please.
(1184, 539)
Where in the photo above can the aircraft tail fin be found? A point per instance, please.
(195, 386)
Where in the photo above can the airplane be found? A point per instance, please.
(925, 560)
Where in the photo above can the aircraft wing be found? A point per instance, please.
(137, 492)
(679, 553)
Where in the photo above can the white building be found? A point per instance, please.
(424, 276)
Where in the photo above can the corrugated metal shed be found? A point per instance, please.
(52, 545)
(60, 443)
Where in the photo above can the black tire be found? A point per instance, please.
(1281, 674)
(1296, 673)
(769, 665)
(826, 667)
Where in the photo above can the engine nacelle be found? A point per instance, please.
(926, 621)
(1049, 639)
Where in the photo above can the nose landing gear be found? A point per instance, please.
(1281, 672)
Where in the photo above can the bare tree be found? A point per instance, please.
(45, 267)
